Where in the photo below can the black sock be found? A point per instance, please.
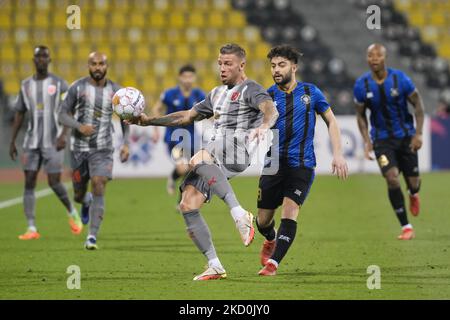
(398, 203)
(175, 175)
(285, 237)
(413, 190)
(268, 232)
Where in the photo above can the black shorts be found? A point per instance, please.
(397, 153)
(292, 183)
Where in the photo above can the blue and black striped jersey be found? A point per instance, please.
(388, 104)
(296, 122)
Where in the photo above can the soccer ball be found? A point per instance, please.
(128, 103)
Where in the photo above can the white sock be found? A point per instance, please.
(408, 226)
(73, 213)
(32, 228)
(91, 236)
(273, 262)
(215, 263)
(238, 212)
(87, 199)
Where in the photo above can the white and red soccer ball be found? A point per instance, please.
(128, 103)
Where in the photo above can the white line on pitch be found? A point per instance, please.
(39, 194)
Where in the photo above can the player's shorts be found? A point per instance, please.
(32, 160)
(89, 164)
(292, 183)
(397, 153)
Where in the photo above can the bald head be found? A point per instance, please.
(376, 56)
(98, 65)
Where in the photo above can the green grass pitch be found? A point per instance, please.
(145, 253)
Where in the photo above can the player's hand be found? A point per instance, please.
(339, 167)
(87, 129)
(13, 151)
(124, 153)
(61, 142)
(368, 151)
(142, 120)
(258, 134)
(416, 142)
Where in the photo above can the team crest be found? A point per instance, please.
(383, 161)
(235, 96)
(51, 90)
(369, 95)
(394, 92)
(306, 99)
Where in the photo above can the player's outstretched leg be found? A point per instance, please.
(398, 203)
(218, 182)
(29, 204)
(54, 181)
(200, 234)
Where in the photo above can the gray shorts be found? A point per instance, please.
(32, 159)
(229, 154)
(92, 163)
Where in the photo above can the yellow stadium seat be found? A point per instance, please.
(102, 5)
(119, 20)
(162, 52)
(157, 20)
(40, 36)
(437, 18)
(97, 20)
(202, 51)
(64, 53)
(5, 20)
(216, 19)
(174, 35)
(142, 53)
(403, 5)
(177, 19)
(183, 52)
(123, 53)
(25, 52)
(122, 5)
(196, 19)
(417, 19)
(7, 54)
(236, 19)
(12, 87)
(137, 19)
(444, 50)
(59, 20)
(22, 19)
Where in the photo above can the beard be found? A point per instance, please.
(284, 79)
(97, 76)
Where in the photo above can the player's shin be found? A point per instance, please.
(96, 212)
(398, 204)
(285, 238)
(29, 201)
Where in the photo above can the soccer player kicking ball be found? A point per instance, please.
(386, 92)
(243, 112)
(41, 96)
(87, 109)
(297, 103)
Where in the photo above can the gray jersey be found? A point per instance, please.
(235, 110)
(42, 99)
(90, 104)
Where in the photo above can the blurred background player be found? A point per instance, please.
(386, 92)
(243, 111)
(180, 141)
(290, 186)
(41, 96)
(87, 109)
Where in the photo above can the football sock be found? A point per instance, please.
(61, 193)
(268, 232)
(87, 199)
(199, 233)
(96, 211)
(218, 183)
(29, 201)
(285, 237)
(398, 204)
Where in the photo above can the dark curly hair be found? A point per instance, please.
(285, 51)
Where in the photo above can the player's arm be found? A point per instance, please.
(363, 126)
(270, 112)
(61, 139)
(18, 121)
(339, 165)
(180, 118)
(65, 114)
(416, 100)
